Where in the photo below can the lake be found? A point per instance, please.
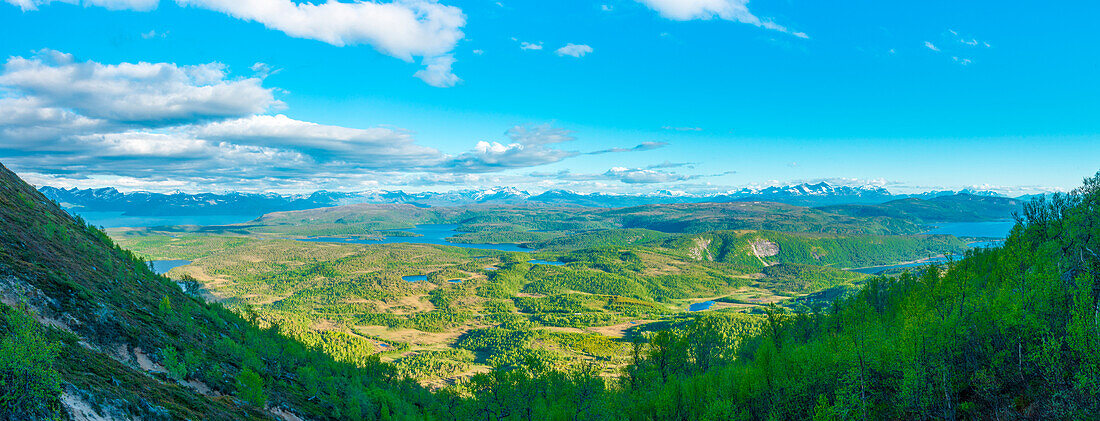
(161, 267)
(117, 219)
(874, 270)
(986, 229)
(705, 305)
(545, 262)
(429, 234)
(415, 278)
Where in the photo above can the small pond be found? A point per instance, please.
(705, 305)
(545, 262)
(415, 278)
(161, 267)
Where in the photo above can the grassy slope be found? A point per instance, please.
(110, 306)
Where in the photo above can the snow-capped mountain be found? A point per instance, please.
(811, 194)
(234, 203)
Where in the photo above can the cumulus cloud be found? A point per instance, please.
(644, 176)
(377, 147)
(530, 46)
(72, 123)
(27, 122)
(929, 45)
(731, 10)
(139, 93)
(574, 50)
(529, 146)
(437, 72)
(402, 28)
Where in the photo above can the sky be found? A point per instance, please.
(617, 96)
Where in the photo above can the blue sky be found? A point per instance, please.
(696, 95)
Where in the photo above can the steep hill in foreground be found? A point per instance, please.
(88, 331)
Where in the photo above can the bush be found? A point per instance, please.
(30, 386)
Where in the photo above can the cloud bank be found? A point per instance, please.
(70, 122)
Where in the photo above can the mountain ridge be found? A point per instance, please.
(142, 203)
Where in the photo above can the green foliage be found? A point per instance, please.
(1005, 333)
(174, 363)
(820, 250)
(434, 364)
(30, 385)
(703, 217)
(790, 277)
(250, 388)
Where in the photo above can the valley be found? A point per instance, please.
(448, 292)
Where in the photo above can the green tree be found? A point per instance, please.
(250, 388)
(177, 368)
(165, 306)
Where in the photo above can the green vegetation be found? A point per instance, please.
(304, 327)
(953, 208)
(29, 381)
(1005, 334)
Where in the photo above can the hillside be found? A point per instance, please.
(700, 217)
(1006, 333)
(952, 208)
(90, 332)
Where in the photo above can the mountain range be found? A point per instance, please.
(234, 203)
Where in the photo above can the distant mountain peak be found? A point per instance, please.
(178, 203)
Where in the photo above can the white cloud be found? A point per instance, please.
(968, 41)
(644, 176)
(401, 28)
(529, 146)
(377, 147)
(683, 129)
(263, 70)
(962, 60)
(479, 52)
(731, 10)
(574, 50)
(139, 93)
(141, 5)
(606, 7)
(530, 46)
(152, 125)
(931, 46)
(644, 146)
(437, 71)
